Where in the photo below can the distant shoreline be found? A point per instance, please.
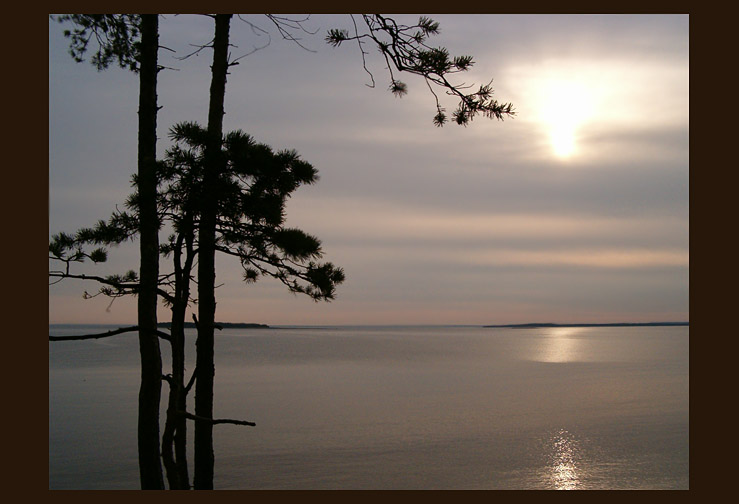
(616, 324)
(221, 325)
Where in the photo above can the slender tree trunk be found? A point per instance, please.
(174, 438)
(150, 465)
(180, 439)
(204, 457)
(172, 425)
(174, 454)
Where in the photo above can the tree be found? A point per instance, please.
(248, 197)
(151, 359)
(204, 458)
(403, 47)
(252, 188)
(134, 41)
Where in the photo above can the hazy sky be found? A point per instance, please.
(576, 210)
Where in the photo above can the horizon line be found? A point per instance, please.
(516, 325)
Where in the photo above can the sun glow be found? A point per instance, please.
(564, 102)
(567, 105)
(563, 140)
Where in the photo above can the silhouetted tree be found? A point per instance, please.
(133, 40)
(151, 360)
(403, 47)
(251, 193)
(204, 458)
(248, 195)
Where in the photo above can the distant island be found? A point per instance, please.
(617, 324)
(220, 325)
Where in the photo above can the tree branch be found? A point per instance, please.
(281, 22)
(95, 336)
(192, 381)
(133, 287)
(114, 332)
(405, 49)
(215, 421)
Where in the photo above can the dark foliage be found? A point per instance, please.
(405, 48)
(117, 37)
(253, 189)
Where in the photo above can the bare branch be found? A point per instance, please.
(94, 336)
(114, 332)
(364, 53)
(195, 52)
(192, 381)
(214, 421)
(258, 32)
(255, 49)
(281, 22)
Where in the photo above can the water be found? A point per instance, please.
(398, 408)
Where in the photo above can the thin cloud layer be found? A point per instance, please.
(575, 210)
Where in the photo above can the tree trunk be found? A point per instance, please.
(174, 454)
(174, 438)
(150, 466)
(180, 439)
(204, 457)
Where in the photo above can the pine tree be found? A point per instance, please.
(252, 190)
(218, 223)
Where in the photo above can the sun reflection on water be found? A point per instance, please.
(559, 345)
(563, 468)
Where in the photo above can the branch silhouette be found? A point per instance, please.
(106, 334)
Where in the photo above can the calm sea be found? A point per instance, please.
(397, 408)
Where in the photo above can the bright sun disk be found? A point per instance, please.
(567, 106)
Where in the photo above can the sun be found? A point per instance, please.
(566, 107)
(563, 140)
(566, 102)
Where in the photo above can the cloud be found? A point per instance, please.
(463, 225)
(364, 220)
(585, 258)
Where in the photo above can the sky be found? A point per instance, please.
(575, 210)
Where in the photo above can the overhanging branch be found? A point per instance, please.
(214, 421)
(106, 334)
(123, 288)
